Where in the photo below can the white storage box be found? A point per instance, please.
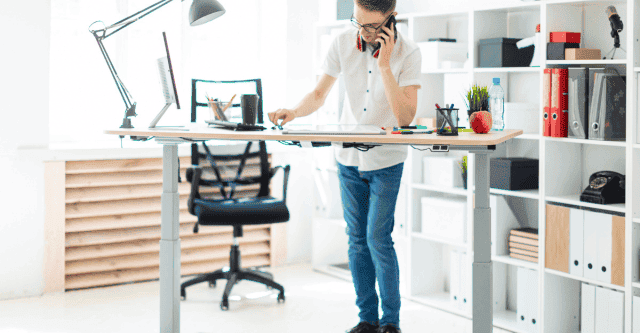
(434, 53)
(445, 217)
(442, 171)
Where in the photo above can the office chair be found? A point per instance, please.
(235, 212)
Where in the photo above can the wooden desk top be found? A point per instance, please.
(202, 132)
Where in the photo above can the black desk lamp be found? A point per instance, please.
(202, 11)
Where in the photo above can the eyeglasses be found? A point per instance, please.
(370, 28)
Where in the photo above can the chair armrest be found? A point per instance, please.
(287, 169)
(194, 173)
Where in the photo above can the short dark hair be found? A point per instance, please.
(382, 6)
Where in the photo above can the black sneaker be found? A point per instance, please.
(388, 328)
(364, 327)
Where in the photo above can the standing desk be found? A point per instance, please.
(479, 144)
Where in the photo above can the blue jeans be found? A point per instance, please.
(369, 203)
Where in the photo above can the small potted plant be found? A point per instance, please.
(477, 99)
(463, 166)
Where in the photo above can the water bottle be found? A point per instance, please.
(496, 105)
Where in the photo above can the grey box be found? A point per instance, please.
(503, 52)
(555, 51)
(514, 173)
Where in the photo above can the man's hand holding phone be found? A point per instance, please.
(387, 40)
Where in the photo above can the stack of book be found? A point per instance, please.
(523, 244)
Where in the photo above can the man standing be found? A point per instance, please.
(381, 72)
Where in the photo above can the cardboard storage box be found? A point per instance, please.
(582, 54)
(434, 53)
(565, 37)
(445, 217)
(503, 52)
(443, 171)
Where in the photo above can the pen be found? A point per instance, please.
(409, 127)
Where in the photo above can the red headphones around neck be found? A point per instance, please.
(362, 44)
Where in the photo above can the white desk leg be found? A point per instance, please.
(482, 266)
(170, 242)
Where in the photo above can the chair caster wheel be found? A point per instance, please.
(224, 306)
(212, 284)
(281, 298)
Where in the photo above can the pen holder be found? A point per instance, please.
(447, 117)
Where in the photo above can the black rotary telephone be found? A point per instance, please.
(605, 187)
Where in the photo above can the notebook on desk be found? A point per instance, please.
(334, 130)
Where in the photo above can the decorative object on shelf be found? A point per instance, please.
(477, 99)
(463, 167)
(523, 244)
(537, 50)
(605, 187)
(616, 28)
(582, 54)
(564, 37)
(503, 52)
(436, 53)
(514, 173)
(556, 51)
(559, 102)
(481, 122)
(607, 106)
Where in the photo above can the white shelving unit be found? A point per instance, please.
(565, 164)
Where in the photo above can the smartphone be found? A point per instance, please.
(390, 22)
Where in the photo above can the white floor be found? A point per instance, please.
(315, 302)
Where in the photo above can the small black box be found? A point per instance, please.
(503, 52)
(514, 173)
(555, 51)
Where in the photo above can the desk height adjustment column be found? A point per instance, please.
(482, 265)
(170, 242)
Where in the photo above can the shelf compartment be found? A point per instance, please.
(505, 259)
(588, 62)
(575, 200)
(635, 284)
(446, 71)
(507, 70)
(582, 279)
(586, 142)
(529, 194)
(507, 319)
(439, 300)
(439, 240)
(433, 188)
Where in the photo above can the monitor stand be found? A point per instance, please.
(157, 119)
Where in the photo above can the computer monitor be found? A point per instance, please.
(167, 79)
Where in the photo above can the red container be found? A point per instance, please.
(565, 37)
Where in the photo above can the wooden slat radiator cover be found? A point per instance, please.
(112, 224)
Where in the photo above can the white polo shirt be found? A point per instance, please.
(366, 102)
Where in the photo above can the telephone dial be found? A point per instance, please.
(605, 187)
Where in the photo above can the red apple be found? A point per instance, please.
(481, 121)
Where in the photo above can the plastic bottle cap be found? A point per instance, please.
(496, 80)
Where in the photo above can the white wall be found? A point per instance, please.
(24, 91)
